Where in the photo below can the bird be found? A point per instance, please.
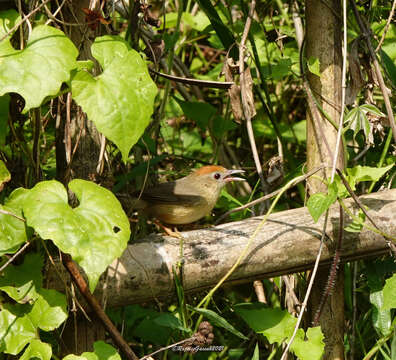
(187, 199)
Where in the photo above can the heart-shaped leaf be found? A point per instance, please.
(40, 68)
(94, 233)
(119, 101)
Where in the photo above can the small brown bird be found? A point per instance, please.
(187, 199)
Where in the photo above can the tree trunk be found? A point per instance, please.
(323, 41)
(79, 140)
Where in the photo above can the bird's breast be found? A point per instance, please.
(179, 214)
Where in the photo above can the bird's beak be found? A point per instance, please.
(228, 176)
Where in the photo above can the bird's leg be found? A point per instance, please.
(169, 231)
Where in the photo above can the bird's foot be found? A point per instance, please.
(174, 233)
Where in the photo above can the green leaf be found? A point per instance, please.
(367, 173)
(119, 101)
(200, 112)
(357, 120)
(49, 310)
(102, 351)
(222, 30)
(21, 71)
(37, 350)
(5, 175)
(389, 66)
(15, 332)
(278, 325)
(171, 321)
(275, 324)
(370, 108)
(281, 69)
(381, 317)
(314, 66)
(144, 330)
(8, 20)
(22, 282)
(355, 225)
(318, 203)
(219, 321)
(94, 233)
(12, 230)
(389, 292)
(310, 349)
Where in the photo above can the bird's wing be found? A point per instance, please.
(172, 193)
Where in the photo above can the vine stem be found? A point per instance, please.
(343, 92)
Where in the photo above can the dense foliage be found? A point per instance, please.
(155, 130)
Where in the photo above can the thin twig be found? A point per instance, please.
(192, 338)
(366, 35)
(268, 196)
(309, 289)
(20, 22)
(13, 257)
(343, 92)
(246, 110)
(5, 212)
(259, 290)
(386, 26)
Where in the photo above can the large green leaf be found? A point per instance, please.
(38, 70)
(367, 173)
(278, 325)
(12, 230)
(94, 233)
(49, 310)
(37, 350)
(15, 332)
(102, 351)
(120, 100)
(308, 346)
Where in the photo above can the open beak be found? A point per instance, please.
(228, 176)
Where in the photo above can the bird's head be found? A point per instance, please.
(216, 176)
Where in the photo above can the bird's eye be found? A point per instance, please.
(217, 176)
